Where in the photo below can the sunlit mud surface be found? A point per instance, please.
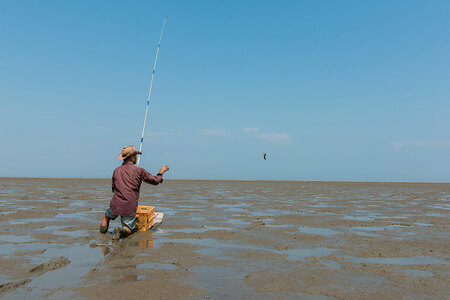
(227, 239)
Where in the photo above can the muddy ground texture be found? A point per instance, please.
(228, 239)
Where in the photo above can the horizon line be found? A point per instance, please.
(199, 179)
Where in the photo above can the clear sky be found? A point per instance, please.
(331, 90)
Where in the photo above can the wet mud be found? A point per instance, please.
(4, 287)
(53, 264)
(227, 240)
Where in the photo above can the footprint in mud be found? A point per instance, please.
(53, 264)
(4, 287)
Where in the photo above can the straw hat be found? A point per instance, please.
(127, 152)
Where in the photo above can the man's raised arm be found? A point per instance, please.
(150, 179)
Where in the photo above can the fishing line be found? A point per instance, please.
(150, 91)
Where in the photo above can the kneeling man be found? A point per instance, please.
(126, 184)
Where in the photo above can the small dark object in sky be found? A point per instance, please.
(265, 156)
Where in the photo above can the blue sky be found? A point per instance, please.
(331, 90)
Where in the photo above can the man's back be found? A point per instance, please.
(126, 184)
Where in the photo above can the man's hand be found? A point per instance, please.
(163, 169)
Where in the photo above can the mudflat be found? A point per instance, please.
(228, 239)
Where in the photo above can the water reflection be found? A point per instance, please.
(146, 243)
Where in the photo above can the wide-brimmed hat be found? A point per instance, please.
(127, 152)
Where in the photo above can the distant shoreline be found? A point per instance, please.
(246, 180)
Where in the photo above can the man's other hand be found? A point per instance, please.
(163, 169)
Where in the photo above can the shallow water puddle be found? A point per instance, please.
(402, 261)
(73, 233)
(213, 251)
(191, 206)
(318, 230)
(57, 230)
(208, 242)
(168, 211)
(418, 273)
(279, 225)
(358, 218)
(381, 228)
(237, 210)
(302, 253)
(196, 230)
(242, 204)
(437, 215)
(33, 220)
(230, 287)
(78, 216)
(16, 238)
(304, 296)
(215, 247)
(322, 205)
(237, 222)
(51, 228)
(441, 206)
(331, 264)
(154, 265)
(10, 248)
(80, 203)
(363, 233)
(422, 224)
(277, 213)
(82, 259)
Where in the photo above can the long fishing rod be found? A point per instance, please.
(150, 91)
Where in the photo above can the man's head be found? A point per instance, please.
(129, 154)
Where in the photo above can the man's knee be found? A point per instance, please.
(129, 222)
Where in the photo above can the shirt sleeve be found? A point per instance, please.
(149, 178)
(113, 186)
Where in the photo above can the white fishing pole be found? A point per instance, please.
(150, 91)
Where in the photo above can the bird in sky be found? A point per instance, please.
(265, 154)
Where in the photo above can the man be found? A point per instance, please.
(126, 184)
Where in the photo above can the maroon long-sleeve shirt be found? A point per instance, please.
(126, 184)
